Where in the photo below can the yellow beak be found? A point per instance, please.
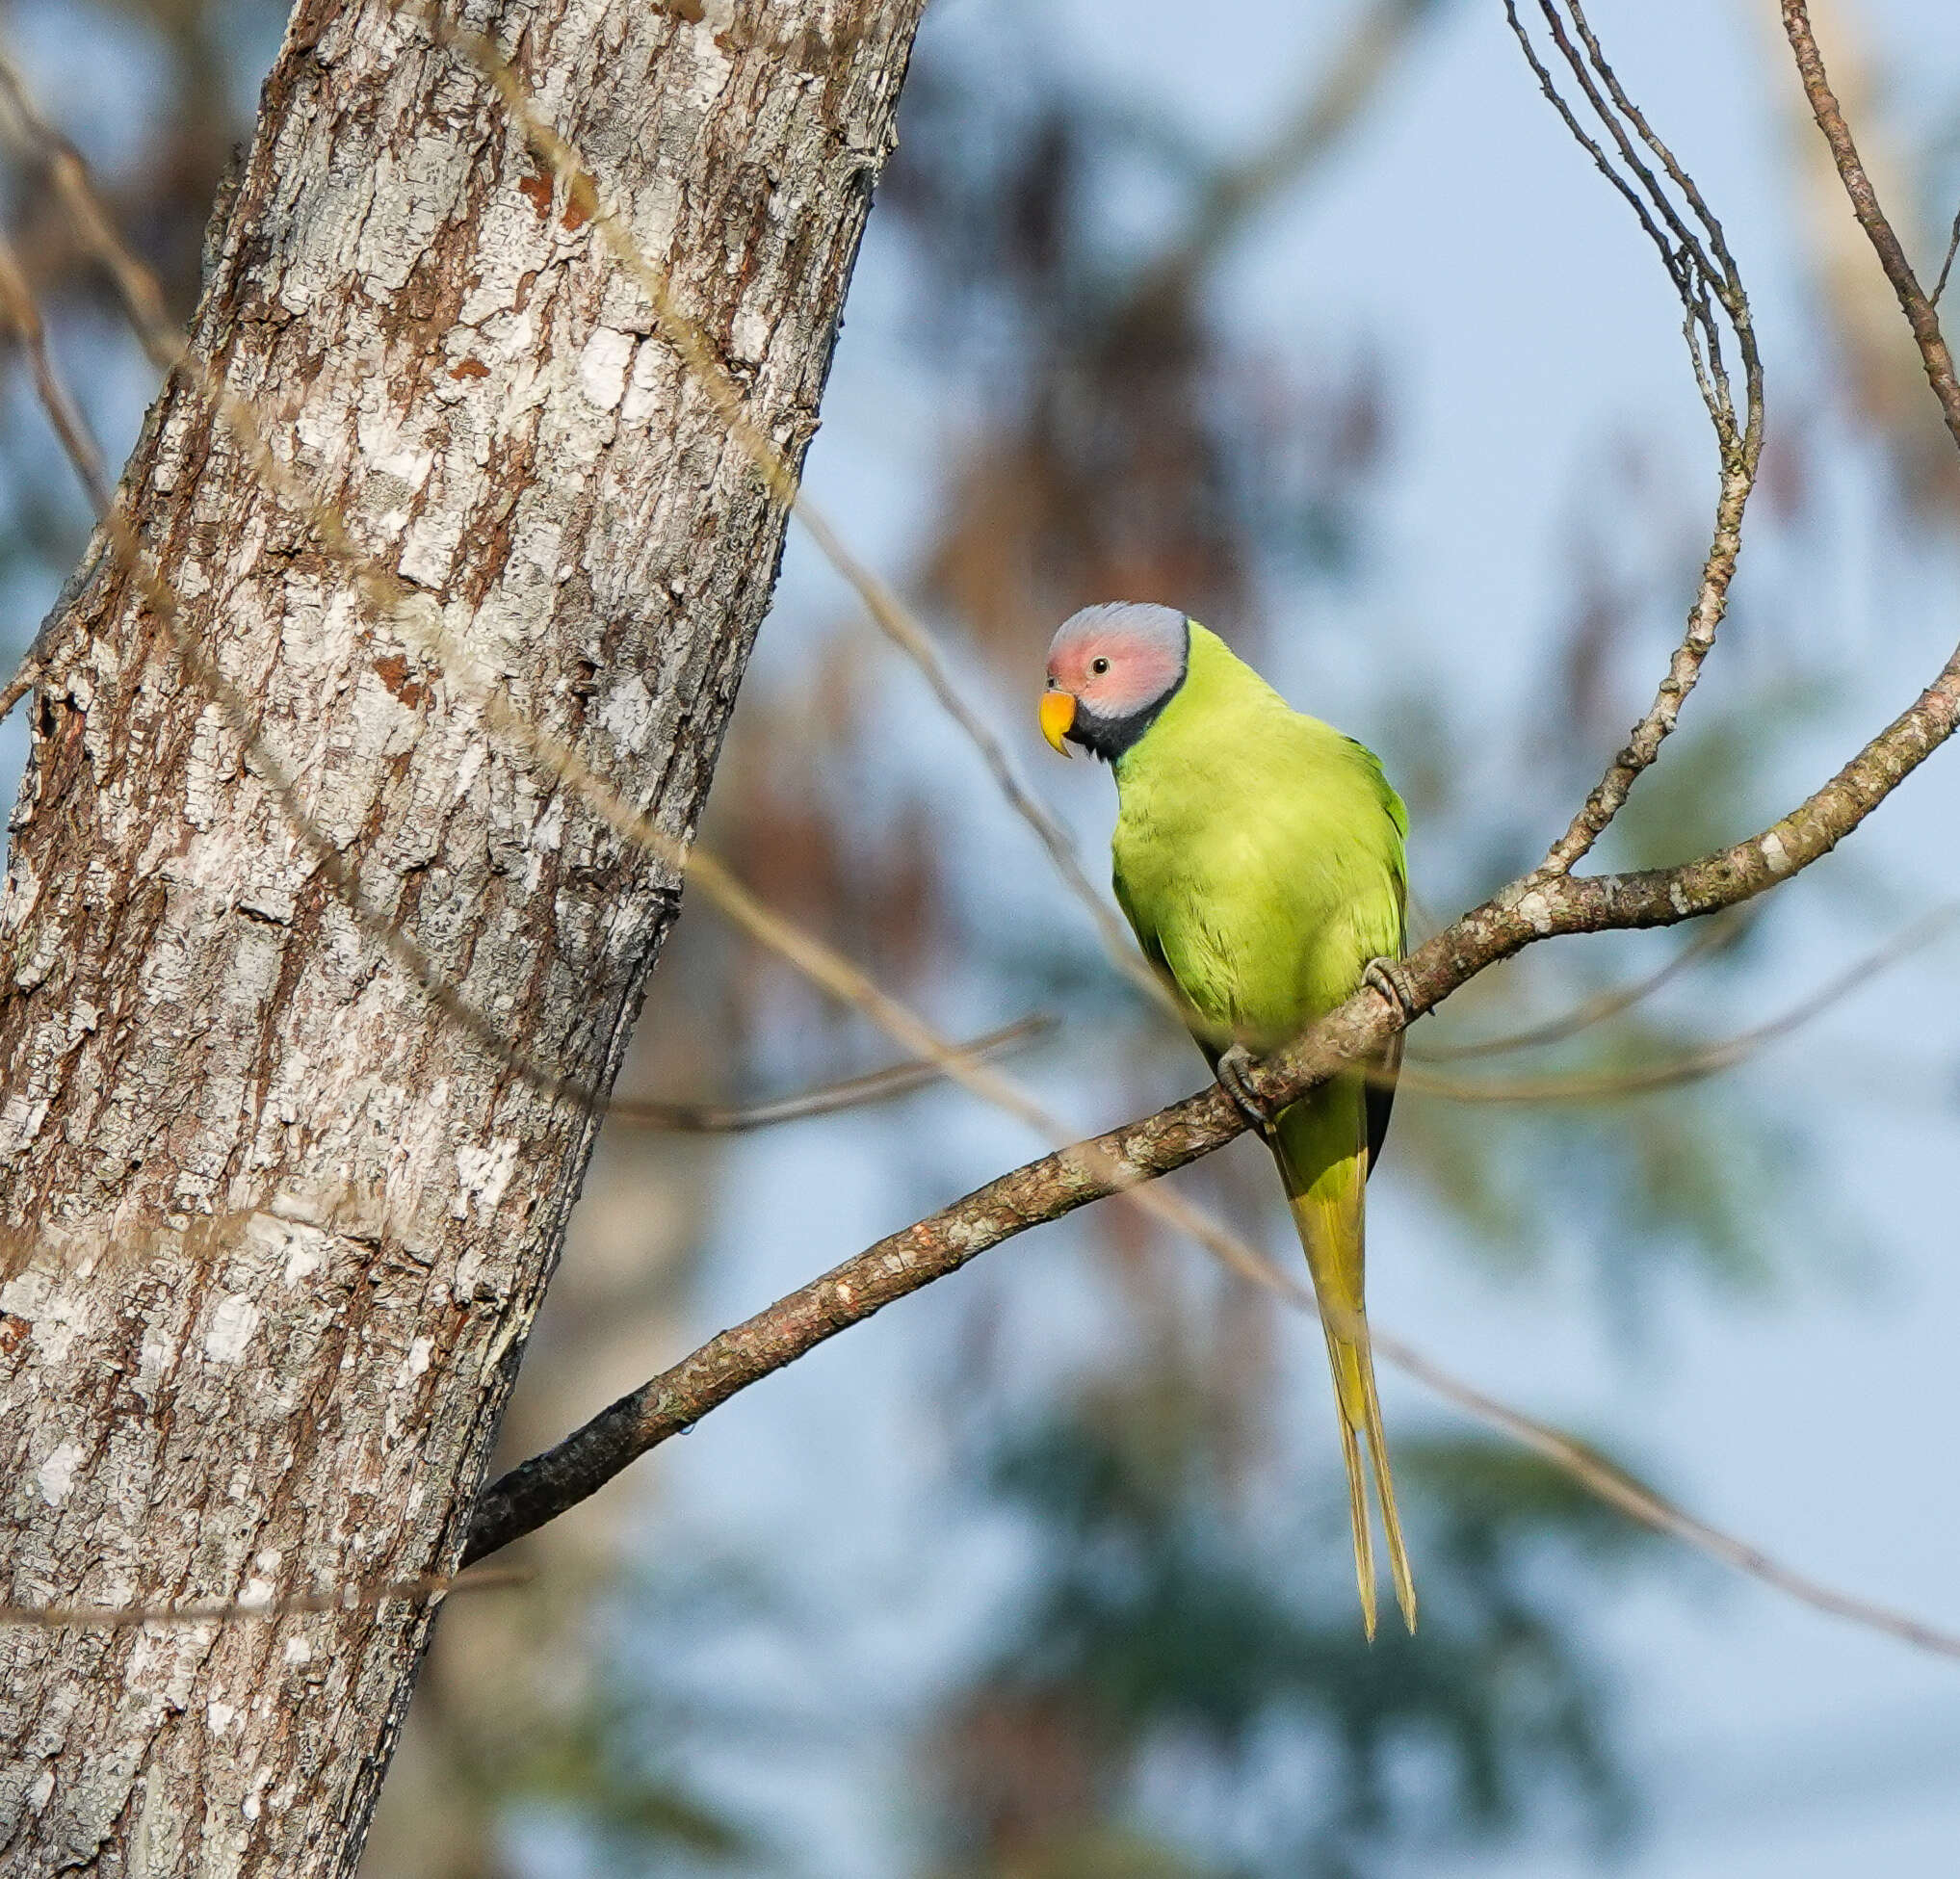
(1057, 713)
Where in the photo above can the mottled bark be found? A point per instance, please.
(274, 1230)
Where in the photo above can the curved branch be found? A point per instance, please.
(1691, 1066)
(1701, 271)
(1056, 1185)
(1597, 1009)
(827, 1099)
(1892, 257)
(1632, 1496)
(64, 416)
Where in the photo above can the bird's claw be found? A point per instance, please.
(1235, 1071)
(1390, 978)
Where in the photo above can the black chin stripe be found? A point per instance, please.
(1109, 738)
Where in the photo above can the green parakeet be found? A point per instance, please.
(1259, 856)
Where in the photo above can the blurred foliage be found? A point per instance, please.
(1163, 1626)
(633, 1819)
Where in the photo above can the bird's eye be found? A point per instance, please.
(1098, 667)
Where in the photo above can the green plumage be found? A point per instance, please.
(1259, 855)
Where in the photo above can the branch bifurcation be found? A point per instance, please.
(1549, 902)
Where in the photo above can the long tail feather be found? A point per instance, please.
(1385, 1493)
(1321, 1151)
(1357, 1510)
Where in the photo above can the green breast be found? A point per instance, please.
(1258, 854)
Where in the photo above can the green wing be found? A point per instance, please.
(1381, 1096)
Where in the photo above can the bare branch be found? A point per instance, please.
(534, 1492)
(1641, 1503)
(1701, 271)
(1357, 1031)
(26, 676)
(1946, 266)
(1717, 935)
(1692, 1066)
(63, 414)
(853, 1092)
(1892, 257)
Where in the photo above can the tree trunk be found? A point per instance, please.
(275, 1229)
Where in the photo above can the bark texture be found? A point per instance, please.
(274, 1230)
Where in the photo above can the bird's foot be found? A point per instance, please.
(1235, 1071)
(1390, 977)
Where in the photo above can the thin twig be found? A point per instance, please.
(1633, 1497)
(1717, 935)
(63, 414)
(1946, 266)
(851, 1092)
(26, 676)
(1697, 269)
(1918, 311)
(1692, 1066)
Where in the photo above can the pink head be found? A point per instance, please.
(1110, 671)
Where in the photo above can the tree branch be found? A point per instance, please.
(1892, 257)
(1691, 1066)
(1634, 1498)
(849, 1093)
(1523, 913)
(64, 415)
(1597, 1009)
(1702, 271)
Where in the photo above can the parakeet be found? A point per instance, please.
(1259, 857)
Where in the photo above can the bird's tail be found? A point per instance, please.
(1322, 1146)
